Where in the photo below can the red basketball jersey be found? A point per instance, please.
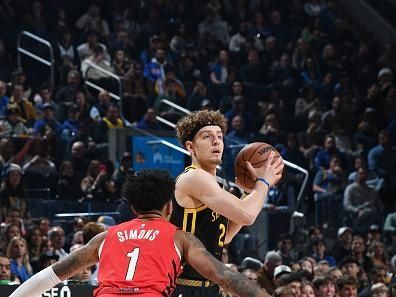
(139, 257)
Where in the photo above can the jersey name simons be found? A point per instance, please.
(137, 234)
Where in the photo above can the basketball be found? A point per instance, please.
(257, 154)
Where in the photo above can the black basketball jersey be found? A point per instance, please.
(207, 225)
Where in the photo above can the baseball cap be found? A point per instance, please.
(342, 230)
(384, 71)
(47, 105)
(281, 269)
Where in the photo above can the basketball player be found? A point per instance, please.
(142, 257)
(202, 206)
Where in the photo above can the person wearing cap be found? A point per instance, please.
(350, 267)
(281, 270)
(266, 273)
(48, 119)
(342, 247)
(319, 252)
(155, 69)
(218, 214)
(13, 125)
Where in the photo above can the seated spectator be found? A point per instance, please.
(350, 268)
(9, 231)
(48, 119)
(68, 183)
(149, 121)
(328, 186)
(324, 286)
(13, 125)
(56, 236)
(125, 168)
(165, 110)
(99, 110)
(265, 275)
(358, 252)
(67, 94)
(324, 155)
(170, 74)
(342, 246)
(382, 159)
(379, 290)
(362, 204)
(112, 120)
(221, 75)
(319, 252)
(270, 131)
(13, 192)
(6, 277)
(43, 96)
(294, 281)
(97, 58)
(377, 275)
(33, 240)
(86, 49)
(18, 253)
(3, 98)
(285, 249)
(97, 183)
(378, 255)
(347, 286)
(70, 126)
(155, 69)
(17, 100)
(373, 181)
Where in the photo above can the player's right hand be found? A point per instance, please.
(271, 170)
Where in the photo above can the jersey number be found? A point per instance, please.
(222, 235)
(134, 255)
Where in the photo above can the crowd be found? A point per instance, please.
(300, 75)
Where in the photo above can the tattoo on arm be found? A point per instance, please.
(230, 280)
(80, 258)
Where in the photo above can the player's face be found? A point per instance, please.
(208, 145)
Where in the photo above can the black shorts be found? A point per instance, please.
(187, 291)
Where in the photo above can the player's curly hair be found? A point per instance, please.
(189, 125)
(148, 190)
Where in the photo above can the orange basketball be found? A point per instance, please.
(257, 154)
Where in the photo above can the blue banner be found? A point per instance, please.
(156, 155)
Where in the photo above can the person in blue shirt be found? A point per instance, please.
(149, 121)
(48, 119)
(3, 98)
(18, 253)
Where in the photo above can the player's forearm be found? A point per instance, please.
(37, 284)
(240, 285)
(253, 203)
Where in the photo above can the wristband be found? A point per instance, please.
(263, 180)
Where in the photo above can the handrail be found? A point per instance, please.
(174, 105)
(85, 214)
(99, 88)
(50, 63)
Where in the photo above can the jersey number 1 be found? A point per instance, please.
(134, 255)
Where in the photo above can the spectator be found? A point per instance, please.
(99, 110)
(3, 98)
(350, 268)
(342, 247)
(68, 183)
(97, 58)
(358, 251)
(18, 101)
(319, 252)
(377, 275)
(34, 240)
(112, 120)
(5, 272)
(18, 253)
(328, 187)
(382, 159)
(347, 286)
(57, 237)
(362, 204)
(265, 275)
(48, 119)
(67, 94)
(324, 286)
